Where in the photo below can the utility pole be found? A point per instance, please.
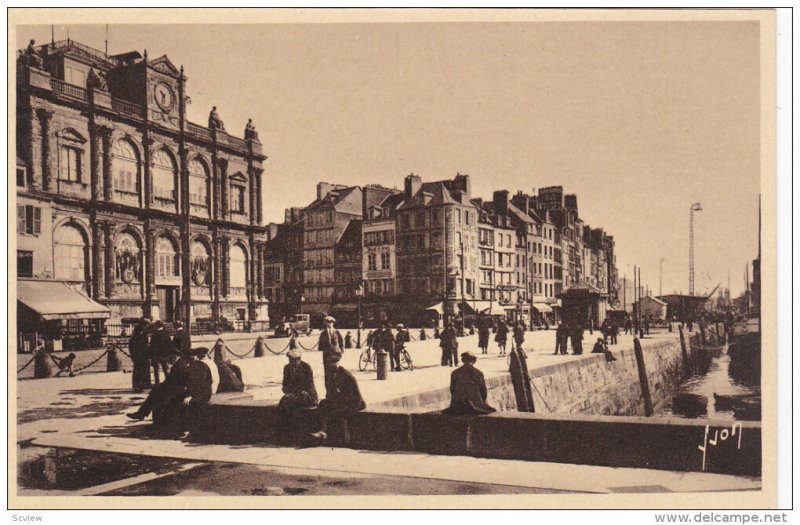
(694, 207)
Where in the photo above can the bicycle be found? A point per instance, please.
(368, 357)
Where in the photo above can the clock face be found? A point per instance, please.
(164, 97)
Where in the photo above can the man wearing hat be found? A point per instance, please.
(189, 384)
(449, 345)
(298, 390)
(400, 341)
(342, 398)
(330, 344)
(467, 389)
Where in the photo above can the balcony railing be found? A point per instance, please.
(197, 130)
(123, 106)
(62, 88)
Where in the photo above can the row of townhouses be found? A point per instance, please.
(433, 250)
(127, 209)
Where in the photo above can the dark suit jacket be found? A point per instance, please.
(344, 393)
(198, 383)
(299, 381)
(327, 346)
(468, 392)
(229, 380)
(161, 344)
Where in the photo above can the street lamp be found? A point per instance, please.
(694, 207)
(359, 294)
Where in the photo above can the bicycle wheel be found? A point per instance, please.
(363, 361)
(405, 361)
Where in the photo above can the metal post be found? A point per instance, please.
(648, 402)
(359, 293)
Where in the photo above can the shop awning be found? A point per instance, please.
(438, 308)
(542, 308)
(54, 300)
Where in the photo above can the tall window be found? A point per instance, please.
(164, 171)
(238, 269)
(237, 198)
(29, 219)
(74, 76)
(198, 183)
(22, 177)
(166, 259)
(69, 164)
(24, 263)
(385, 261)
(372, 262)
(70, 254)
(125, 167)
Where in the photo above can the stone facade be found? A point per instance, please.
(137, 204)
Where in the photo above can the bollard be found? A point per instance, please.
(382, 364)
(648, 402)
(687, 368)
(260, 346)
(112, 362)
(41, 365)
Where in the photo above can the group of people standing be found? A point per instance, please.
(384, 340)
(151, 345)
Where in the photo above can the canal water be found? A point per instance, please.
(738, 383)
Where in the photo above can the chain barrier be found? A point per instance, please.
(118, 347)
(273, 351)
(78, 370)
(27, 364)
(243, 355)
(315, 345)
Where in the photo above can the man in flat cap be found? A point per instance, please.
(330, 344)
(468, 389)
(298, 391)
(343, 397)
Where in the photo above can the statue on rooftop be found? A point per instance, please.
(34, 59)
(214, 122)
(250, 130)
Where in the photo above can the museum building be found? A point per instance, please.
(115, 185)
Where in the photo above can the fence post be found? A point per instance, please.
(259, 351)
(687, 368)
(41, 365)
(112, 363)
(648, 402)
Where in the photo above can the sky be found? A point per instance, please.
(639, 119)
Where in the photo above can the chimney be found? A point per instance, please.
(413, 185)
(522, 201)
(462, 183)
(323, 188)
(571, 202)
(501, 202)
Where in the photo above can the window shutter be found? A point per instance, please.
(20, 219)
(37, 220)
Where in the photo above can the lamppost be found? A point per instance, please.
(359, 294)
(694, 207)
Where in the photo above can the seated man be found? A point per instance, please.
(468, 389)
(189, 384)
(342, 397)
(298, 391)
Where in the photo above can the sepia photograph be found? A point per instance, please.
(397, 258)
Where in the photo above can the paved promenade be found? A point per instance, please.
(88, 412)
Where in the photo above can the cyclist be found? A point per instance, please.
(400, 341)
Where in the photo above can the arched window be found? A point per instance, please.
(127, 257)
(70, 254)
(125, 166)
(238, 268)
(198, 183)
(164, 170)
(166, 259)
(201, 269)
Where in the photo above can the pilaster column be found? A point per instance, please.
(223, 181)
(216, 275)
(251, 190)
(147, 143)
(98, 260)
(45, 116)
(107, 184)
(259, 197)
(259, 270)
(225, 245)
(150, 262)
(110, 262)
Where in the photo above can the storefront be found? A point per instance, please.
(59, 316)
